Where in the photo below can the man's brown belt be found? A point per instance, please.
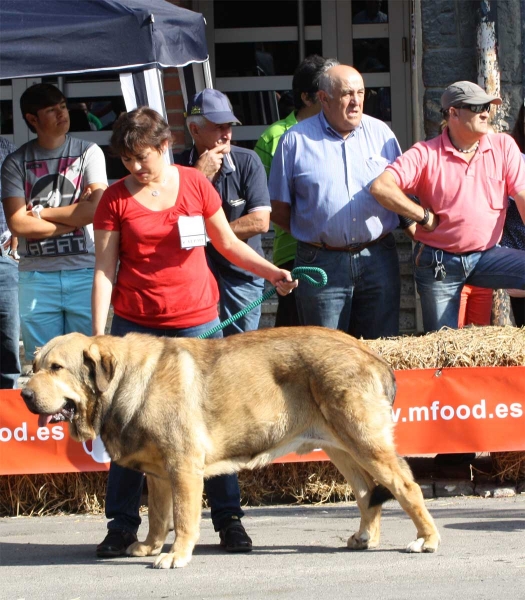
(351, 248)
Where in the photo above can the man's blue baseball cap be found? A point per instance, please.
(213, 105)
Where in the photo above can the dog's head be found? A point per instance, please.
(71, 374)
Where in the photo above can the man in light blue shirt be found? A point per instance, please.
(319, 190)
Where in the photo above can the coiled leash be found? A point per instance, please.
(297, 273)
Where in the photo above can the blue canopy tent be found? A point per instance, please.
(132, 37)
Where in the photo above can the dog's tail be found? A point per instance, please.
(379, 495)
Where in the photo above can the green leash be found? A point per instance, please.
(297, 273)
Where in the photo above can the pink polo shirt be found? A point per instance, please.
(470, 198)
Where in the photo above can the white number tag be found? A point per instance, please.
(192, 232)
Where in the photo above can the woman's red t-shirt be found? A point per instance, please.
(159, 284)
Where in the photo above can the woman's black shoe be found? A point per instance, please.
(115, 543)
(234, 537)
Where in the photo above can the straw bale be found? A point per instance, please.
(39, 495)
(292, 483)
(508, 466)
(468, 347)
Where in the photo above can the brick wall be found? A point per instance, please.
(174, 100)
(175, 108)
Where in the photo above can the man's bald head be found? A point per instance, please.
(333, 77)
(342, 93)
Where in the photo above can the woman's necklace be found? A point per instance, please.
(156, 193)
(473, 149)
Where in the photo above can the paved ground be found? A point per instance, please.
(300, 554)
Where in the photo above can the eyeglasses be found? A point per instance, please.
(475, 108)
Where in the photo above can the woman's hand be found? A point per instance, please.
(240, 254)
(283, 282)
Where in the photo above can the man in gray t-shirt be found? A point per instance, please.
(50, 190)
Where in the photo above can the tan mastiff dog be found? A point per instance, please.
(184, 409)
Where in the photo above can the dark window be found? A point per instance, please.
(378, 103)
(114, 167)
(372, 55)
(365, 12)
(262, 13)
(252, 59)
(6, 117)
(101, 112)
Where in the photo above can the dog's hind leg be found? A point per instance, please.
(361, 419)
(186, 486)
(159, 516)
(362, 485)
(394, 473)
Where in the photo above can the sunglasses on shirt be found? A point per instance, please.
(475, 108)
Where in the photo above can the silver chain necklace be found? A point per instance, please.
(473, 149)
(156, 193)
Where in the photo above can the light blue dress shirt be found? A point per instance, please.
(325, 179)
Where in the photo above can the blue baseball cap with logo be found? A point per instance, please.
(213, 105)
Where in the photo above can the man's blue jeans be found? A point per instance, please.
(53, 303)
(236, 293)
(125, 486)
(494, 268)
(362, 296)
(9, 323)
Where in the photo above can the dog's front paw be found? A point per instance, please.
(143, 549)
(423, 545)
(361, 541)
(171, 561)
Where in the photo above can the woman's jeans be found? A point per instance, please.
(124, 490)
(440, 277)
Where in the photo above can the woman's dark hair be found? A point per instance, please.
(139, 129)
(518, 133)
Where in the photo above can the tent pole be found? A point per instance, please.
(144, 88)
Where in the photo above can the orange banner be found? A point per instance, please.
(478, 409)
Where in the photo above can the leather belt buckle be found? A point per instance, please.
(353, 249)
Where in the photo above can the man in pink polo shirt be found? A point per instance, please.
(463, 179)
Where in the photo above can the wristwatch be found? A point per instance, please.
(425, 219)
(36, 210)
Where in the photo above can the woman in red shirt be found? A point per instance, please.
(153, 225)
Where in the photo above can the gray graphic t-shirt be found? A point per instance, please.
(54, 178)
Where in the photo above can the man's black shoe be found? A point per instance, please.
(234, 537)
(115, 543)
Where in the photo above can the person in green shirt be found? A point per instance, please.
(305, 84)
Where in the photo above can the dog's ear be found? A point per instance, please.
(102, 364)
(36, 357)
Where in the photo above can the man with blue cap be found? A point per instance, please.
(240, 180)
